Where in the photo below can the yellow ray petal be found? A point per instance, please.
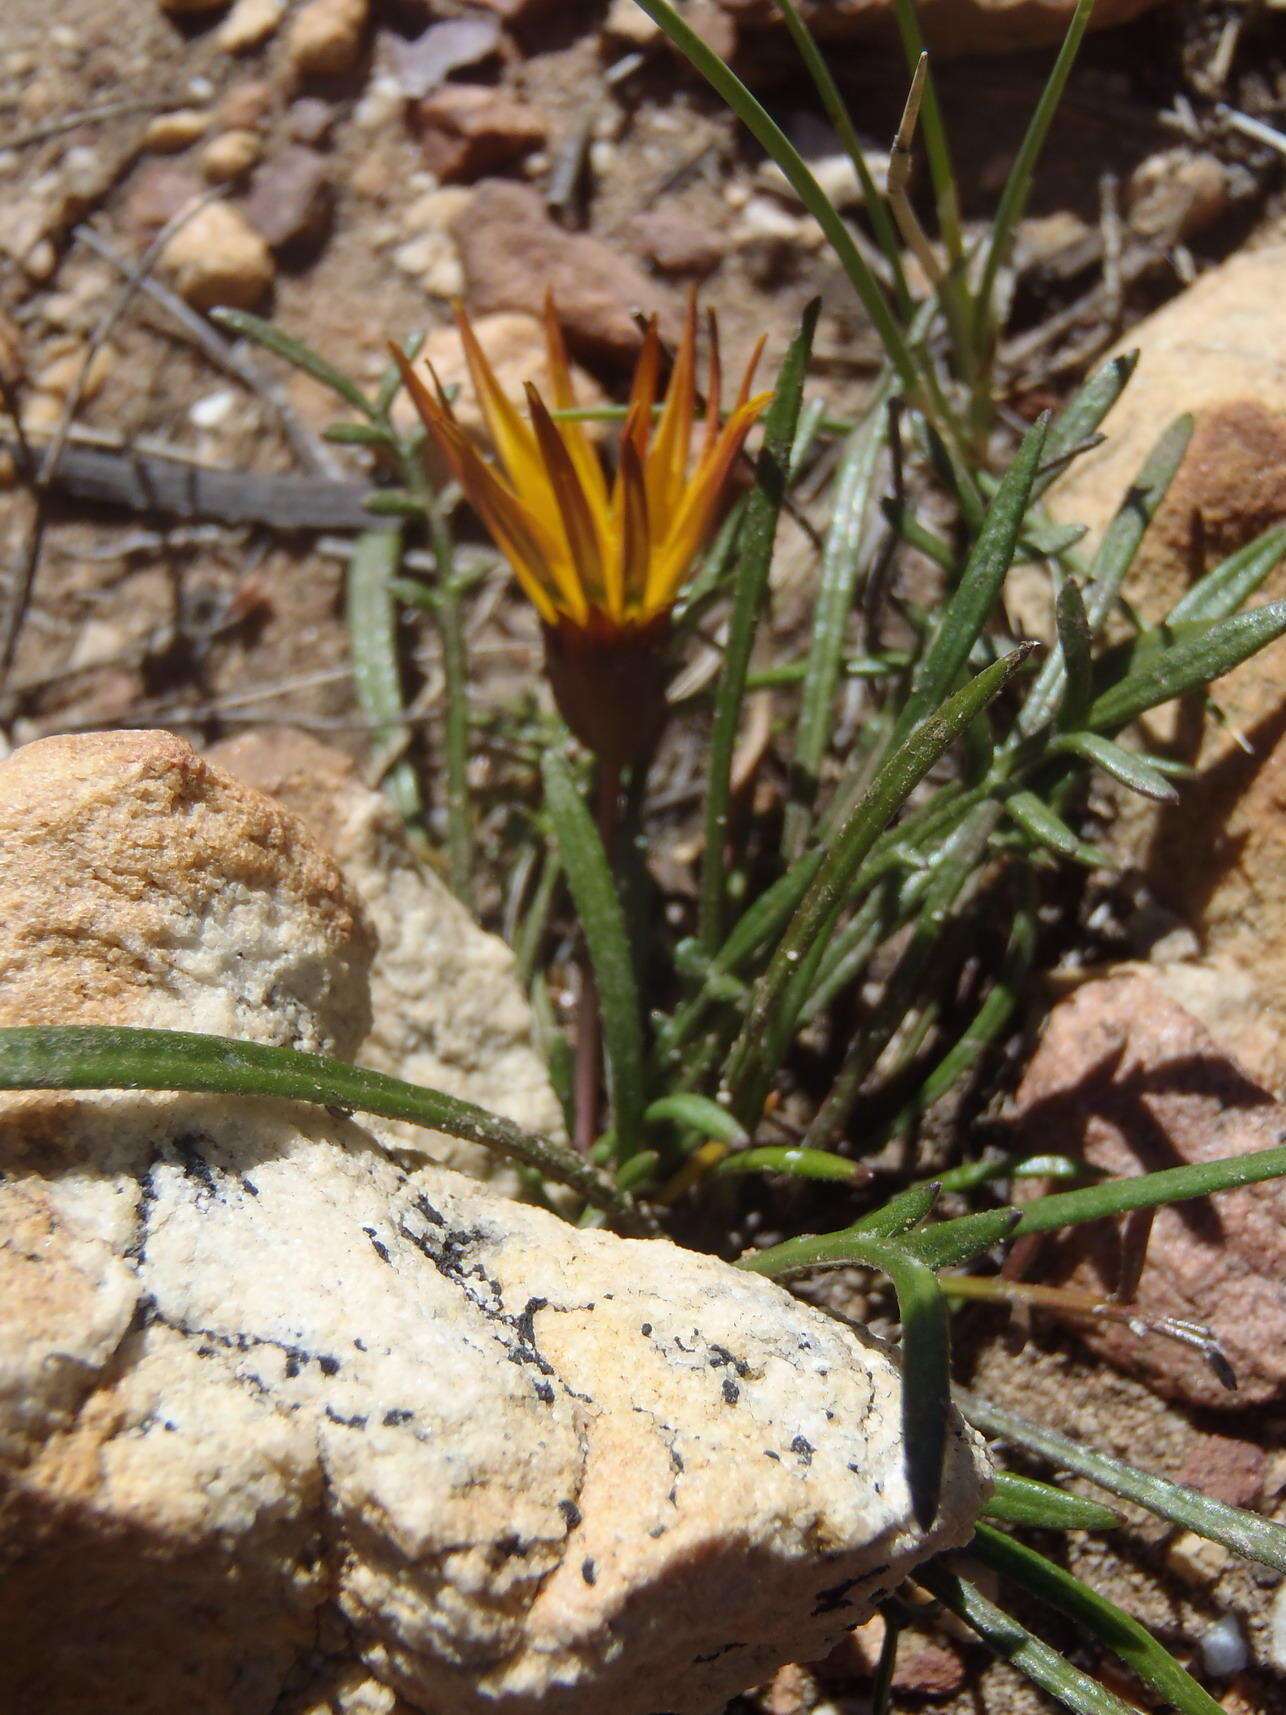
(519, 535)
(510, 436)
(667, 461)
(582, 451)
(633, 531)
(647, 373)
(583, 539)
(690, 525)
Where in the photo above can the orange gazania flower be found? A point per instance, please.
(602, 562)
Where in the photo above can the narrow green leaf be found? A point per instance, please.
(1083, 413)
(1122, 537)
(974, 599)
(372, 645)
(1132, 770)
(1035, 818)
(1014, 197)
(295, 351)
(1022, 1500)
(1074, 644)
(1013, 1643)
(837, 582)
(758, 534)
(1124, 1636)
(109, 1057)
(687, 1108)
(948, 1244)
(902, 1212)
(637, 1170)
(796, 1162)
(877, 210)
(1222, 591)
(1195, 662)
(753, 1059)
(1244, 1533)
(359, 435)
(393, 503)
(926, 1362)
(1150, 1190)
(598, 908)
(390, 384)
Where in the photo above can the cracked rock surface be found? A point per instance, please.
(285, 1428)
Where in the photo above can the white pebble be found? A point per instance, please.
(212, 409)
(1223, 1648)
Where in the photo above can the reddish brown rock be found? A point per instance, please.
(513, 253)
(925, 1666)
(291, 198)
(424, 63)
(1131, 1082)
(950, 26)
(1219, 857)
(467, 129)
(157, 194)
(1230, 1470)
(677, 244)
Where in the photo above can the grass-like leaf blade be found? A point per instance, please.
(1191, 663)
(753, 1058)
(1124, 1636)
(1222, 591)
(758, 533)
(112, 1057)
(926, 1355)
(1012, 1642)
(974, 599)
(1244, 1533)
(372, 645)
(1023, 1500)
(598, 908)
(294, 351)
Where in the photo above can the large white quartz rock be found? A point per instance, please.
(286, 1429)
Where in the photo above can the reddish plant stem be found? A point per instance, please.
(587, 1085)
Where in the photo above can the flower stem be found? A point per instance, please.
(589, 1024)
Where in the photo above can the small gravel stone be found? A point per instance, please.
(291, 198)
(189, 8)
(170, 132)
(469, 129)
(424, 64)
(1223, 1647)
(217, 257)
(310, 120)
(249, 23)
(246, 104)
(157, 194)
(677, 244)
(326, 37)
(230, 156)
(1195, 1559)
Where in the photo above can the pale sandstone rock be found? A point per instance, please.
(285, 1428)
(1126, 1079)
(447, 1008)
(249, 23)
(217, 257)
(142, 886)
(326, 37)
(1219, 857)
